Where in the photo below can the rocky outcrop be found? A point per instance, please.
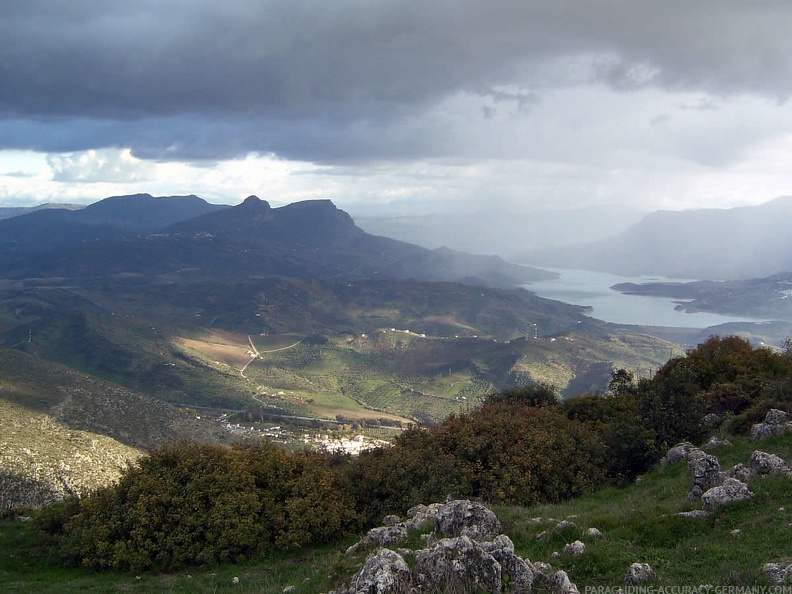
(776, 422)
(458, 561)
(466, 518)
(464, 549)
(716, 488)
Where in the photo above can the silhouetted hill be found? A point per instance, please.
(746, 242)
(114, 217)
(144, 213)
(307, 239)
(8, 212)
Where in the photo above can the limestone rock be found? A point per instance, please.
(457, 561)
(564, 524)
(561, 584)
(388, 535)
(679, 452)
(764, 463)
(776, 422)
(705, 471)
(740, 472)
(593, 533)
(466, 518)
(778, 573)
(575, 548)
(386, 572)
(638, 574)
(520, 573)
(731, 491)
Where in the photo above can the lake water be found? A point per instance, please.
(583, 287)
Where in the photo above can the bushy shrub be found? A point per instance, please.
(535, 394)
(503, 453)
(190, 504)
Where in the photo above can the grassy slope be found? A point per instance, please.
(41, 458)
(638, 522)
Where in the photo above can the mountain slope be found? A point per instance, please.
(311, 239)
(715, 244)
(118, 216)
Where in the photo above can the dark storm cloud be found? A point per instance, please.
(335, 80)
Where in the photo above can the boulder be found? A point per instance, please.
(731, 491)
(575, 548)
(705, 472)
(564, 524)
(740, 472)
(639, 573)
(764, 463)
(388, 535)
(593, 533)
(679, 452)
(777, 573)
(386, 572)
(775, 416)
(515, 571)
(561, 584)
(466, 518)
(459, 562)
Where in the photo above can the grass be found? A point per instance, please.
(639, 524)
(24, 569)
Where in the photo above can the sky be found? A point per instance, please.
(398, 106)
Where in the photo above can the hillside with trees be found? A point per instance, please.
(200, 505)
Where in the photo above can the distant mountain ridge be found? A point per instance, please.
(8, 212)
(502, 232)
(188, 236)
(713, 244)
(113, 217)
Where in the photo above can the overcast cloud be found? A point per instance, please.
(372, 102)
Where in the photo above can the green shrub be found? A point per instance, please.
(190, 504)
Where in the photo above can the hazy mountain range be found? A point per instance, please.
(186, 235)
(506, 233)
(712, 244)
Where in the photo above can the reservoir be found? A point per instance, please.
(584, 287)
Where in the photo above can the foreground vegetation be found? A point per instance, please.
(206, 505)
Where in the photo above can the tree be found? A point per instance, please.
(535, 394)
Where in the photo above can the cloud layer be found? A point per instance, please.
(630, 85)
